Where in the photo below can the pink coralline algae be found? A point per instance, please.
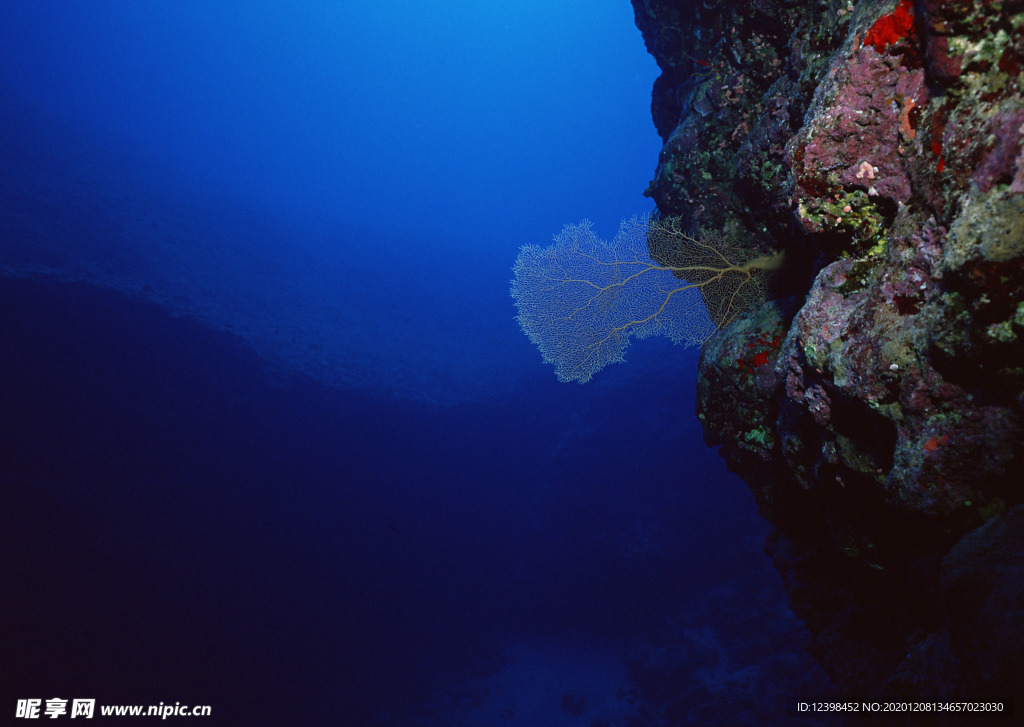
(858, 137)
(818, 404)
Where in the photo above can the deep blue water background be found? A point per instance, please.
(271, 438)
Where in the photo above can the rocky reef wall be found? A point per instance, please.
(874, 404)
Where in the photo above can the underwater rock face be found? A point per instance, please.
(876, 406)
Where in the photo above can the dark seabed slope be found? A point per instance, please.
(188, 523)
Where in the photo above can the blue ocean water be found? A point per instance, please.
(272, 439)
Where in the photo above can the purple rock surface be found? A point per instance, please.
(874, 403)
